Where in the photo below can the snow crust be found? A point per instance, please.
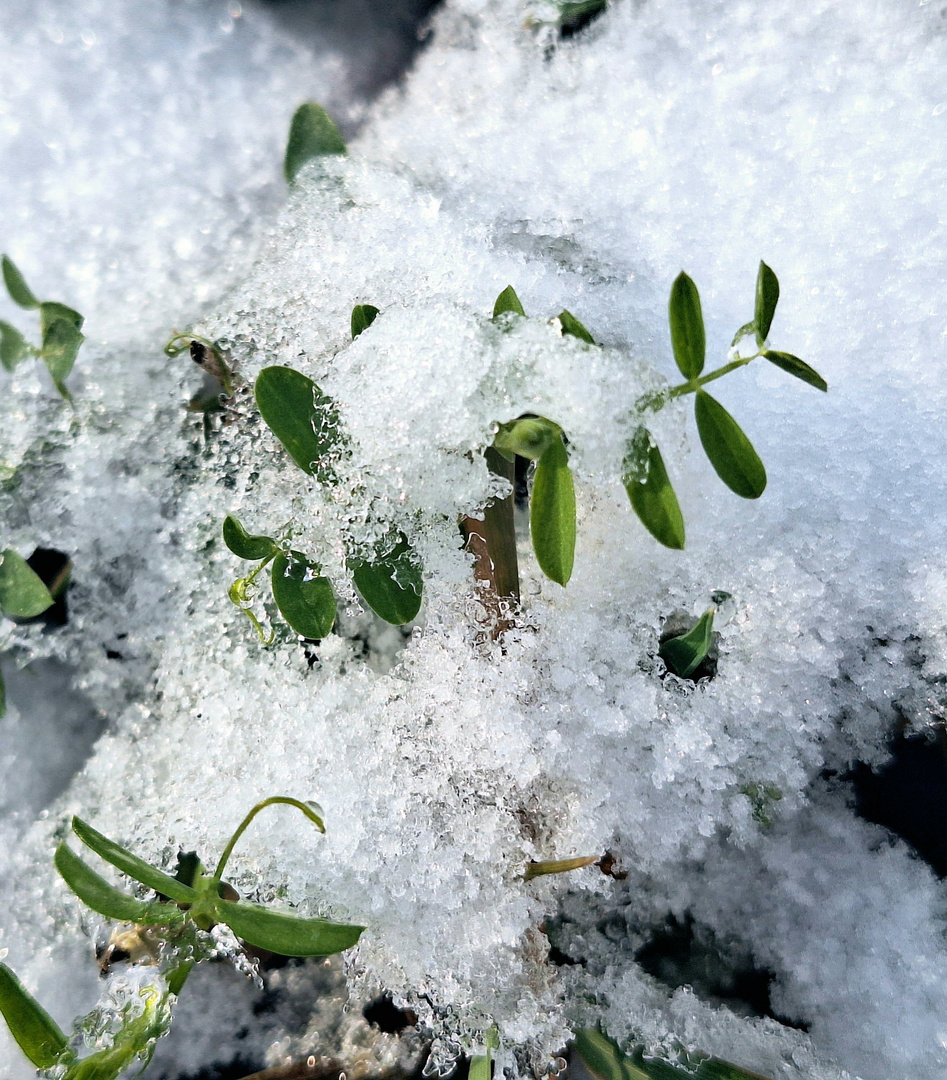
(587, 173)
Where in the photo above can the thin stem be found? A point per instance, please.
(306, 808)
(658, 400)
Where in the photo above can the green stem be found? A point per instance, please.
(658, 400)
(242, 827)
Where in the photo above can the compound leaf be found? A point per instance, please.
(767, 296)
(571, 325)
(552, 513)
(287, 935)
(13, 346)
(363, 315)
(729, 450)
(687, 327)
(20, 292)
(297, 412)
(508, 301)
(245, 546)
(650, 492)
(312, 134)
(684, 654)
(35, 1032)
(22, 592)
(797, 367)
(391, 585)
(304, 597)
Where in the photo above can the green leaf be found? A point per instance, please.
(305, 599)
(131, 865)
(20, 292)
(51, 312)
(603, 1059)
(480, 1067)
(508, 301)
(687, 327)
(245, 546)
(287, 935)
(61, 344)
(22, 592)
(729, 450)
(767, 296)
(363, 315)
(530, 437)
(571, 325)
(312, 134)
(552, 513)
(297, 412)
(13, 346)
(391, 585)
(35, 1032)
(96, 893)
(684, 654)
(797, 367)
(650, 492)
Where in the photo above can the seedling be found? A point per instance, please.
(60, 331)
(605, 1061)
(22, 596)
(684, 653)
(192, 900)
(312, 134)
(557, 866)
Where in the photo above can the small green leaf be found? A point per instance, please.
(363, 315)
(552, 513)
(767, 296)
(245, 546)
(571, 325)
(391, 585)
(297, 412)
(312, 134)
(684, 654)
(650, 492)
(61, 344)
(745, 330)
(305, 599)
(557, 866)
(35, 1032)
(480, 1067)
(13, 346)
(508, 301)
(729, 450)
(603, 1059)
(530, 437)
(20, 292)
(22, 592)
(687, 327)
(131, 865)
(96, 893)
(51, 312)
(287, 935)
(797, 367)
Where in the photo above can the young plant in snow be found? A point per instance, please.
(60, 330)
(312, 134)
(187, 903)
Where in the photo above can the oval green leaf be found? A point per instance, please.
(305, 599)
(13, 346)
(529, 437)
(312, 134)
(61, 343)
(287, 935)
(20, 292)
(51, 312)
(571, 325)
(245, 546)
(552, 513)
(797, 367)
(35, 1032)
(392, 585)
(684, 654)
(22, 592)
(131, 865)
(687, 327)
(298, 413)
(767, 296)
(729, 450)
(508, 301)
(363, 315)
(650, 492)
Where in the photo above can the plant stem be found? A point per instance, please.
(658, 400)
(242, 827)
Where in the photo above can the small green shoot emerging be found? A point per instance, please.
(312, 134)
(684, 654)
(508, 301)
(60, 331)
(363, 315)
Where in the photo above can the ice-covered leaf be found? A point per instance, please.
(729, 450)
(363, 315)
(245, 546)
(99, 895)
(684, 654)
(298, 413)
(391, 585)
(797, 367)
(287, 935)
(603, 1059)
(13, 346)
(312, 134)
(61, 343)
(529, 437)
(508, 301)
(571, 325)
(687, 327)
(767, 296)
(304, 598)
(650, 492)
(35, 1032)
(20, 292)
(22, 592)
(131, 865)
(552, 513)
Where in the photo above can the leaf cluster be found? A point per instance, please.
(60, 331)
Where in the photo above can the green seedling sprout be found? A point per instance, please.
(23, 595)
(312, 134)
(209, 358)
(60, 331)
(605, 1061)
(558, 866)
(684, 654)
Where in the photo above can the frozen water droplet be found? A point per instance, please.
(726, 607)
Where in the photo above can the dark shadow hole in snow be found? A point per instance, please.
(384, 1014)
(53, 569)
